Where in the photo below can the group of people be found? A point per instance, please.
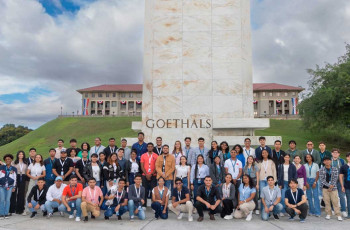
(230, 183)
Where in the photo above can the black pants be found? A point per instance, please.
(18, 196)
(238, 183)
(149, 185)
(228, 208)
(303, 209)
(201, 207)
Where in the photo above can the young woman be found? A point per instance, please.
(18, 197)
(198, 172)
(213, 152)
(286, 172)
(35, 171)
(103, 162)
(252, 169)
(94, 169)
(84, 146)
(266, 168)
(183, 172)
(224, 152)
(8, 182)
(229, 201)
(301, 172)
(240, 155)
(312, 175)
(177, 152)
(133, 167)
(217, 172)
(160, 199)
(246, 196)
(73, 156)
(113, 169)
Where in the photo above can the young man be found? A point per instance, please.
(32, 154)
(60, 147)
(293, 151)
(208, 197)
(63, 167)
(270, 200)
(337, 162)
(181, 202)
(148, 167)
(310, 150)
(120, 201)
(140, 146)
(165, 167)
(200, 150)
(258, 151)
(73, 145)
(121, 160)
(323, 152)
(136, 199)
(92, 200)
(328, 183)
(54, 196)
(247, 149)
(344, 178)
(159, 146)
(189, 151)
(80, 165)
(37, 198)
(234, 167)
(278, 154)
(295, 201)
(71, 198)
(111, 148)
(97, 148)
(49, 162)
(127, 150)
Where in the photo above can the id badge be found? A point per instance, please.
(199, 181)
(62, 173)
(73, 205)
(149, 170)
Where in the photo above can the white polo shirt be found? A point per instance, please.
(233, 167)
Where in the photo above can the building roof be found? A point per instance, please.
(275, 87)
(113, 88)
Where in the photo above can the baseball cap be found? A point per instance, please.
(58, 178)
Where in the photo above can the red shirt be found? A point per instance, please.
(149, 162)
(67, 191)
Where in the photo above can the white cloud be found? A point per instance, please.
(10, 85)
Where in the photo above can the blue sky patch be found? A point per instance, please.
(23, 97)
(57, 7)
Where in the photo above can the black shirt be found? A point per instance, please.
(37, 195)
(181, 194)
(67, 163)
(278, 158)
(80, 166)
(213, 195)
(157, 150)
(121, 196)
(345, 171)
(77, 150)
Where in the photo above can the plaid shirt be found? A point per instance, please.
(334, 178)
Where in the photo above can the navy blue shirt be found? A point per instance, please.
(181, 194)
(259, 150)
(298, 195)
(140, 149)
(345, 170)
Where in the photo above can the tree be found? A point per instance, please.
(326, 108)
(10, 132)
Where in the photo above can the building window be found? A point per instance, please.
(100, 95)
(286, 94)
(138, 95)
(114, 104)
(123, 106)
(107, 94)
(264, 94)
(130, 95)
(278, 94)
(293, 93)
(270, 94)
(254, 94)
(122, 95)
(86, 95)
(114, 94)
(131, 105)
(92, 94)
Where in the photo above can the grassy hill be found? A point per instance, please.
(86, 129)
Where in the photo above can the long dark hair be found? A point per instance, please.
(88, 146)
(228, 147)
(24, 157)
(211, 151)
(196, 169)
(41, 161)
(240, 148)
(251, 182)
(268, 155)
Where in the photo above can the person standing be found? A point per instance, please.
(344, 179)
(165, 166)
(301, 172)
(132, 167)
(94, 169)
(127, 150)
(97, 148)
(246, 196)
(198, 172)
(158, 149)
(189, 151)
(310, 150)
(208, 197)
(49, 163)
(323, 153)
(295, 201)
(136, 198)
(54, 196)
(270, 200)
(183, 171)
(224, 152)
(8, 182)
(229, 201)
(267, 168)
(181, 201)
(234, 167)
(120, 201)
(160, 199)
(111, 148)
(247, 149)
(240, 156)
(312, 175)
(63, 167)
(213, 152)
(60, 147)
(278, 154)
(112, 170)
(337, 162)
(148, 167)
(73, 145)
(80, 167)
(92, 199)
(252, 170)
(84, 147)
(37, 198)
(328, 182)
(140, 146)
(293, 151)
(200, 150)
(259, 150)
(177, 152)
(217, 172)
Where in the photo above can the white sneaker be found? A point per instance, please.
(77, 219)
(62, 214)
(190, 218)
(179, 217)
(250, 216)
(345, 214)
(49, 215)
(340, 218)
(328, 217)
(281, 214)
(71, 216)
(194, 211)
(332, 213)
(24, 213)
(228, 217)
(257, 212)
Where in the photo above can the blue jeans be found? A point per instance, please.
(185, 182)
(276, 210)
(50, 205)
(76, 203)
(131, 178)
(49, 182)
(34, 203)
(347, 193)
(158, 208)
(262, 184)
(111, 210)
(283, 195)
(141, 214)
(341, 198)
(312, 197)
(104, 189)
(169, 184)
(5, 198)
(196, 184)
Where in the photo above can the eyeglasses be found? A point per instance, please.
(178, 183)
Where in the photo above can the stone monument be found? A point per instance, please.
(197, 78)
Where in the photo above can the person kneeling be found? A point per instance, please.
(295, 201)
(208, 197)
(91, 196)
(270, 199)
(136, 195)
(181, 200)
(246, 194)
(119, 200)
(160, 198)
(229, 201)
(37, 198)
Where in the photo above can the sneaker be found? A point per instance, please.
(62, 214)
(45, 213)
(49, 216)
(2, 217)
(77, 219)
(302, 220)
(179, 217)
(257, 212)
(328, 217)
(7, 217)
(276, 217)
(190, 218)
(291, 218)
(24, 213)
(228, 217)
(200, 219)
(106, 218)
(119, 218)
(281, 214)
(317, 215)
(92, 216)
(86, 219)
(211, 217)
(339, 218)
(345, 214)
(71, 216)
(33, 214)
(250, 216)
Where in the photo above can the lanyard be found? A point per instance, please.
(245, 188)
(96, 151)
(62, 164)
(84, 163)
(333, 165)
(21, 167)
(161, 193)
(179, 195)
(38, 195)
(92, 197)
(75, 189)
(119, 197)
(233, 165)
(247, 152)
(296, 196)
(226, 189)
(140, 147)
(161, 149)
(201, 151)
(112, 149)
(219, 169)
(164, 160)
(278, 154)
(329, 172)
(271, 195)
(187, 151)
(249, 170)
(176, 155)
(310, 168)
(137, 193)
(322, 155)
(215, 153)
(8, 170)
(310, 152)
(207, 192)
(149, 162)
(52, 162)
(266, 166)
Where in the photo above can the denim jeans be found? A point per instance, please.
(283, 195)
(312, 197)
(196, 184)
(276, 210)
(141, 214)
(158, 208)
(34, 203)
(131, 178)
(111, 210)
(50, 205)
(347, 193)
(185, 182)
(49, 182)
(262, 184)
(77, 206)
(169, 184)
(341, 198)
(5, 198)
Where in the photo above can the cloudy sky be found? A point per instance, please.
(51, 48)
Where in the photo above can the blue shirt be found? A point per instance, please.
(48, 166)
(259, 150)
(140, 149)
(241, 158)
(244, 193)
